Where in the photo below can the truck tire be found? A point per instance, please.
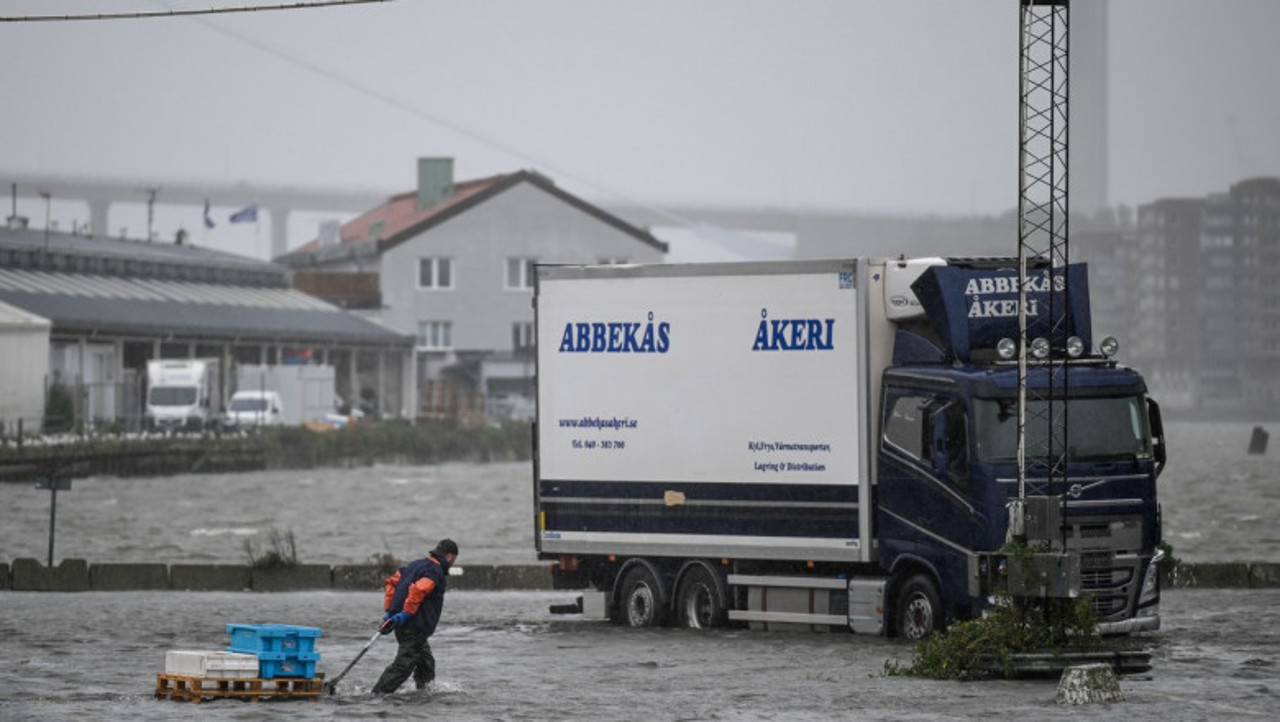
(700, 599)
(641, 602)
(919, 611)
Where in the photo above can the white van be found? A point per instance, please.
(255, 408)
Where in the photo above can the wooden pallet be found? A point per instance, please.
(200, 689)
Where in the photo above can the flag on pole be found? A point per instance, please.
(248, 214)
(208, 222)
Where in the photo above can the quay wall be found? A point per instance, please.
(78, 575)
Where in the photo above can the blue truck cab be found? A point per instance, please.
(948, 457)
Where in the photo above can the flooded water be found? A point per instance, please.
(503, 656)
(1220, 504)
(336, 516)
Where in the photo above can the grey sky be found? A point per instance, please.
(870, 105)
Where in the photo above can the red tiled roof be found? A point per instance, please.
(401, 212)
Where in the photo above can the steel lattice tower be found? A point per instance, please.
(1042, 239)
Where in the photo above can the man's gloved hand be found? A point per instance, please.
(393, 621)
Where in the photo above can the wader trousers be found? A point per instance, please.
(413, 657)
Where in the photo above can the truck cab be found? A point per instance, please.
(948, 469)
(948, 460)
(183, 394)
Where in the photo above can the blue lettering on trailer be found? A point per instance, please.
(616, 337)
(794, 334)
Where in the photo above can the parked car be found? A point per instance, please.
(255, 408)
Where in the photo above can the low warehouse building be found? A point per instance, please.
(113, 304)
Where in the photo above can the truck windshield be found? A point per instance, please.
(1096, 429)
(172, 396)
(243, 404)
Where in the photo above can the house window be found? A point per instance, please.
(522, 336)
(520, 273)
(435, 335)
(435, 273)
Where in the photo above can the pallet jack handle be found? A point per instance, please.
(332, 685)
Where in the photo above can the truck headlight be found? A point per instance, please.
(1151, 580)
(1109, 346)
(1006, 348)
(1075, 347)
(1040, 348)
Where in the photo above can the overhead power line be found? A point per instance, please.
(385, 98)
(180, 13)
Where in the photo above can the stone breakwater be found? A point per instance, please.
(77, 575)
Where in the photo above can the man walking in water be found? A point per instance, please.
(414, 600)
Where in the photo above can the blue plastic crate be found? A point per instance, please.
(276, 638)
(278, 664)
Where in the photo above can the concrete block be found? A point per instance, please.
(1263, 575)
(487, 577)
(291, 578)
(119, 577)
(30, 575)
(523, 576)
(1087, 683)
(472, 577)
(209, 577)
(5, 580)
(71, 575)
(359, 577)
(1232, 575)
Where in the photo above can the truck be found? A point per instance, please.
(835, 445)
(183, 394)
(298, 393)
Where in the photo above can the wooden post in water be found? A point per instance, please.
(1258, 441)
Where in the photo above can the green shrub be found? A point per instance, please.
(59, 409)
(283, 552)
(986, 647)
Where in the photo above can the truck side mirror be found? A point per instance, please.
(1158, 449)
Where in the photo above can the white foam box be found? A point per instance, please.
(217, 665)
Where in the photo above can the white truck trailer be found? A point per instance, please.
(826, 443)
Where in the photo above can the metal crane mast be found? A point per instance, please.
(1042, 239)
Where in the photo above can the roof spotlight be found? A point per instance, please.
(1040, 348)
(1006, 348)
(1075, 347)
(1109, 346)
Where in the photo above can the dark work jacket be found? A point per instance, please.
(418, 588)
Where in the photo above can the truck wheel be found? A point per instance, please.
(642, 600)
(919, 608)
(700, 601)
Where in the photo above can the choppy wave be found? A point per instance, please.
(225, 531)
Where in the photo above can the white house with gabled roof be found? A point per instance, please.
(451, 263)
